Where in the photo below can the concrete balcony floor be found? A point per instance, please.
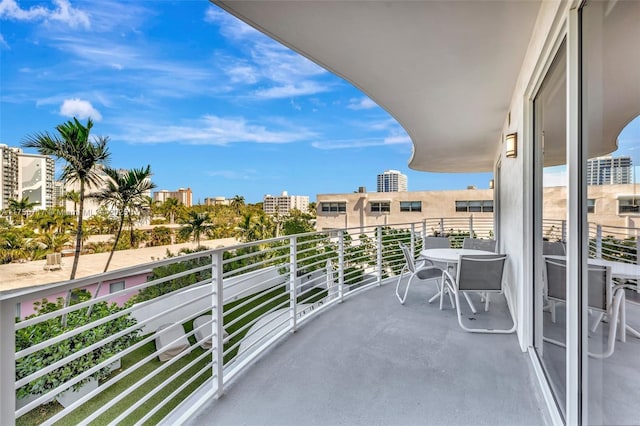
(372, 361)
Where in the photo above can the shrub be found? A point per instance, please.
(50, 328)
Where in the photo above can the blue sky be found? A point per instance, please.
(207, 101)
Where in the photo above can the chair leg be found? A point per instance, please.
(401, 299)
(597, 322)
(618, 301)
(471, 305)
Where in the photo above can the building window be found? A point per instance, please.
(410, 206)
(474, 206)
(628, 205)
(117, 286)
(591, 205)
(336, 207)
(380, 206)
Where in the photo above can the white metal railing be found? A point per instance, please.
(255, 293)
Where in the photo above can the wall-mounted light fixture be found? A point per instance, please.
(512, 145)
(491, 184)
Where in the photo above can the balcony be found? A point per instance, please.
(357, 356)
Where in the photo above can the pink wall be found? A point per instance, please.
(26, 307)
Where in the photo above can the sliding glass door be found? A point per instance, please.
(550, 232)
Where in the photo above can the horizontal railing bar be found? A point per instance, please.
(150, 394)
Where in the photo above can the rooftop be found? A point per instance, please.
(29, 274)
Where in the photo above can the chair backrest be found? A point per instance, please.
(599, 277)
(436, 242)
(408, 258)
(479, 244)
(555, 248)
(481, 272)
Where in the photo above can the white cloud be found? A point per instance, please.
(79, 109)
(69, 15)
(63, 12)
(230, 26)
(362, 103)
(245, 74)
(292, 90)
(214, 130)
(359, 143)
(281, 72)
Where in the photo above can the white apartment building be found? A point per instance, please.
(281, 204)
(217, 201)
(8, 175)
(25, 175)
(609, 171)
(183, 195)
(392, 181)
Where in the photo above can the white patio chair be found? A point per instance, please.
(479, 244)
(555, 248)
(427, 273)
(478, 274)
(603, 298)
(171, 339)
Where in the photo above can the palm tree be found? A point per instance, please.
(82, 157)
(237, 202)
(20, 207)
(170, 208)
(125, 192)
(74, 197)
(196, 225)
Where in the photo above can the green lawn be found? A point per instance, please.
(272, 298)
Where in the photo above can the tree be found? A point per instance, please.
(21, 207)
(196, 225)
(237, 203)
(125, 192)
(74, 197)
(171, 207)
(82, 157)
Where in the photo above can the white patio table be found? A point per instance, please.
(450, 257)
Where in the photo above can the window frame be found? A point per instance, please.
(412, 207)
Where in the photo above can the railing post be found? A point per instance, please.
(637, 251)
(598, 241)
(471, 227)
(424, 230)
(293, 270)
(7, 362)
(217, 311)
(413, 241)
(379, 253)
(442, 227)
(563, 232)
(341, 265)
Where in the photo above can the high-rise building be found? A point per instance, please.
(183, 195)
(392, 181)
(25, 175)
(282, 204)
(609, 171)
(8, 175)
(35, 179)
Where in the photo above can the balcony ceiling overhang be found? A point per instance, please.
(445, 70)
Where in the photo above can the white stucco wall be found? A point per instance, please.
(513, 181)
